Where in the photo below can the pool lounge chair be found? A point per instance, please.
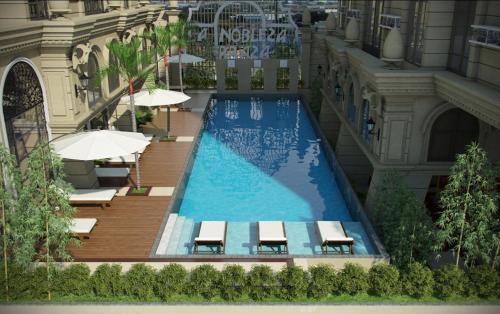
(82, 227)
(102, 197)
(272, 235)
(212, 233)
(112, 172)
(332, 233)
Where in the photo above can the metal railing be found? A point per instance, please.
(94, 7)
(38, 9)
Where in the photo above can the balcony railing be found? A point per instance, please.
(389, 21)
(38, 9)
(485, 35)
(94, 7)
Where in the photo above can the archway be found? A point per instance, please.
(450, 133)
(24, 109)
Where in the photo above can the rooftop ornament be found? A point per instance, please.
(392, 51)
(331, 22)
(306, 17)
(352, 32)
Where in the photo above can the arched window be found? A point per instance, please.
(450, 133)
(351, 108)
(23, 111)
(113, 78)
(94, 92)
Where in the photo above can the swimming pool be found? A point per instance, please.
(261, 160)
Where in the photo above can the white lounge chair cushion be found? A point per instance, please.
(123, 159)
(271, 231)
(87, 195)
(112, 172)
(149, 137)
(211, 231)
(82, 225)
(332, 231)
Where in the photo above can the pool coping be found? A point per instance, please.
(336, 170)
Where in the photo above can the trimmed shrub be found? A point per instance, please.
(417, 281)
(232, 282)
(483, 282)
(323, 281)
(352, 280)
(19, 283)
(449, 281)
(140, 281)
(73, 280)
(171, 280)
(384, 280)
(204, 280)
(107, 280)
(39, 286)
(293, 282)
(261, 282)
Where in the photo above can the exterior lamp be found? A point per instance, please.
(84, 82)
(370, 125)
(337, 89)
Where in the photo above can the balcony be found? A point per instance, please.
(38, 9)
(485, 35)
(389, 21)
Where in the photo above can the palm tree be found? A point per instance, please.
(129, 60)
(179, 40)
(162, 37)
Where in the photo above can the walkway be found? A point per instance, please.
(126, 230)
(249, 309)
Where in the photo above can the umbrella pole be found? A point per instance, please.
(168, 122)
(134, 128)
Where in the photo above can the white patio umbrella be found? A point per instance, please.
(158, 97)
(100, 144)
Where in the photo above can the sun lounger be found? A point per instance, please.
(212, 233)
(102, 197)
(332, 233)
(272, 235)
(82, 227)
(112, 172)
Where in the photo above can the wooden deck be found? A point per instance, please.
(127, 229)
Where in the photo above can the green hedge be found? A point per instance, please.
(174, 282)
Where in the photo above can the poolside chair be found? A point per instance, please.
(272, 235)
(82, 227)
(332, 233)
(102, 197)
(212, 233)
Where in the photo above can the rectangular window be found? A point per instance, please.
(231, 78)
(38, 9)
(283, 78)
(372, 39)
(125, 4)
(93, 7)
(257, 79)
(463, 17)
(416, 24)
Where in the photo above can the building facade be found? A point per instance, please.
(407, 84)
(50, 52)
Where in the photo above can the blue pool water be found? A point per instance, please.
(261, 160)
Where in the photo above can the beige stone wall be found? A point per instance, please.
(49, 44)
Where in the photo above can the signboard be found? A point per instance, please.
(244, 29)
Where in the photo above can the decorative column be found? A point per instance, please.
(306, 47)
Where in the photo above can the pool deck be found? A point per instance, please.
(127, 228)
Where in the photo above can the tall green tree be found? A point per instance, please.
(469, 207)
(9, 172)
(129, 61)
(402, 221)
(45, 218)
(162, 37)
(180, 41)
